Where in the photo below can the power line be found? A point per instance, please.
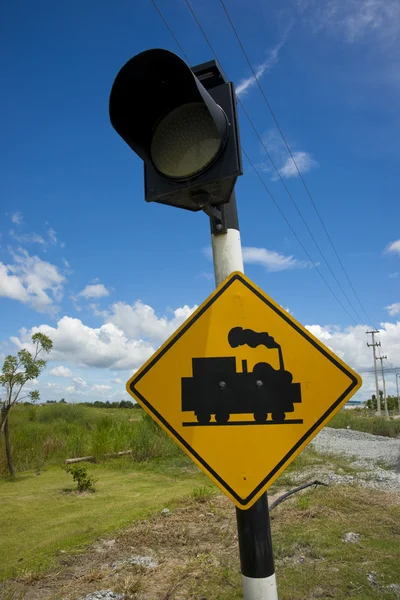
(251, 163)
(261, 179)
(170, 30)
(299, 211)
(285, 186)
(296, 236)
(293, 159)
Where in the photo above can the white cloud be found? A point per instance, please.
(125, 341)
(27, 238)
(94, 291)
(304, 161)
(35, 238)
(117, 344)
(103, 347)
(140, 320)
(11, 286)
(61, 371)
(133, 332)
(393, 275)
(354, 20)
(52, 236)
(394, 247)
(79, 382)
(272, 59)
(32, 281)
(272, 260)
(101, 389)
(17, 218)
(284, 163)
(350, 344)
(393, 309)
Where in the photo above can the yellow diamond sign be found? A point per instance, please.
(242, 387)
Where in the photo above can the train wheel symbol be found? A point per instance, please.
(203, 417)
(260, 416)
(222, 416)
(278, 416)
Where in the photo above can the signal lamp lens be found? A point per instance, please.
(185, 142)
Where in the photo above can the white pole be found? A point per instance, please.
(254, 533)
(227, 254)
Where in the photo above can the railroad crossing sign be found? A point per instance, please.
(242, 387)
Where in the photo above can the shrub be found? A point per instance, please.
(202, 493)
(84, 481)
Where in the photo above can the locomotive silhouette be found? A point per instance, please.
(216, 388)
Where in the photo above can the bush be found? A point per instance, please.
(83, 480)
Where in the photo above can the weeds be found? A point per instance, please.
(47, 435)
(359, 421)
(202, 493)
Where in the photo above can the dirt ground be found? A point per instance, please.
(195, 549)
(183, 543)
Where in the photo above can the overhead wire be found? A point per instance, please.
(369, 320)
(252, 164)
(286, 188)
(277, 170)
(256, 78)
(170, 30)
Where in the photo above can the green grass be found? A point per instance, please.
(311, 559)
(359, 421)
(318, 521)
(46, 435)
(42, 514)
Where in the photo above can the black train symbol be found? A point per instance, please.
(216, 388)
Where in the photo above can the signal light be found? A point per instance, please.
(182, 123)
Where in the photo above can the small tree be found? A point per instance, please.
(16, 372)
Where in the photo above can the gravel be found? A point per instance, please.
(141, 561)
(368, 453)
(104, 595)
(359, 444)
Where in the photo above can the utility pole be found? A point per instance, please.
(397, 384)
(381, 358)
(253, 524)
(373, 345)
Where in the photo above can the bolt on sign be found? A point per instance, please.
(242, 388)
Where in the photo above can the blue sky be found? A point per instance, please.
(108, 276)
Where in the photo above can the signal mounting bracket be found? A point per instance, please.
(217, 214)
(218, 219)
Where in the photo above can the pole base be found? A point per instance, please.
(263, 588)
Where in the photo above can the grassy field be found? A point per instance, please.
(358, 420)
(196, 547)
(49, 526)
(42, 514)
(47, 435)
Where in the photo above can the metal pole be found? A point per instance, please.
(254, 533)
(381, 358)
(374, 344)
(397, 384)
